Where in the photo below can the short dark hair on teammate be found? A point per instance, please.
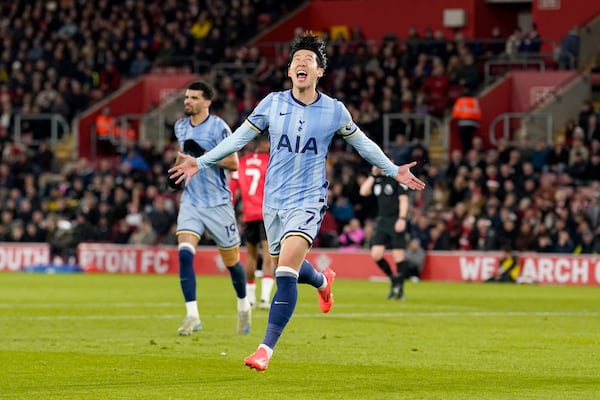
(207, 90)
(309, 41)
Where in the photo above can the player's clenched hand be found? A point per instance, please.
(185, 169)
(407, 178)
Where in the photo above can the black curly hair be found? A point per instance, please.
(208, 92)
(311, 42)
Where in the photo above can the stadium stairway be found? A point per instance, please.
(438, 153)
(63, 150)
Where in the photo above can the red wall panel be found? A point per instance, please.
(567, 269)
(528, 87)
(376, 17)
(555, 17)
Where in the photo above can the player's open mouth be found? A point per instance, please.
(301, 75)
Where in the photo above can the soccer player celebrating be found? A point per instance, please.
(301, 124)
(249, 180)
(206, 204)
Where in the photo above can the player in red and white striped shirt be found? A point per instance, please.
(249, 182)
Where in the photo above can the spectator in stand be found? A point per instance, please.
(544, 243)
(564, 244)
(109, 79)
(578, 168)
(125, 133)
(509, 230)
(525, 239)
(454, 164)
(83, 230)
(140, 65)
(421, 231)
(568, 132)
(483, 237)
(104, 230)
(539, 154)
(593, 128)
(440, 238)
(579, 147)
(133, 162)
(514, 44)
(342, 210)
(587, 109)
(532, 41)
(558, 159)
(475, 201)
(588, 244)
(122, 232)
(495, 44)
(592, 170)
(352, 236)
(453, 67)
(473, 159)
(144, 234)
(468, 75)
(435, 88)
(160, 216)
(459, 189)
(400, 149)
(34, 233)
(16, 232)
(412, 43)
(568, 57)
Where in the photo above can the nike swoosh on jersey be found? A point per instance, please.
(280, 113)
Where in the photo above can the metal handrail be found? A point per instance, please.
(524, 62)
(56, 120)
(524, 117)
(428, 122)
(196, 66)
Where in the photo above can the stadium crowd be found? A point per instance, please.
(60, 56)
(530, 197)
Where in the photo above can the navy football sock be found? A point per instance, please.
(187, 276)
(310, 275)
(238, 278)
(283, 305)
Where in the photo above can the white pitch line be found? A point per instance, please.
(311, 315)
(89, 305)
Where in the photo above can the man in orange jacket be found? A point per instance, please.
(467, 112)
(105, 131)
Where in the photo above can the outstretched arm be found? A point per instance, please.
(369, 150)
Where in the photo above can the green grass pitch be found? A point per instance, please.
(114, 337)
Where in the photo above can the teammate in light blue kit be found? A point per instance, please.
(206, 204)
(301, 123)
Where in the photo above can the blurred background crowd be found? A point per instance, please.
(61, 56)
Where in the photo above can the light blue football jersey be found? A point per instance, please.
(300, 136)
(209, 187)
